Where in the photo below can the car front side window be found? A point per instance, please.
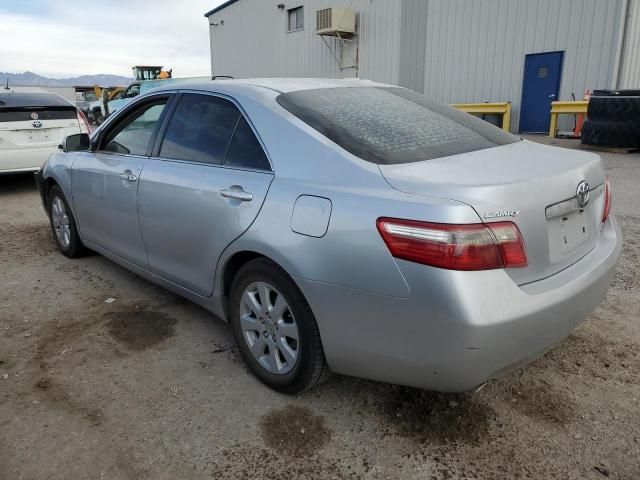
(133, 136)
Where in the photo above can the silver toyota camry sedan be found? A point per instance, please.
(343, 225)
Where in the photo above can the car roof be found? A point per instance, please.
(280, 85)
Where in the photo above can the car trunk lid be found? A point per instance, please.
(29, 120)
(18, 133)
(530, 184)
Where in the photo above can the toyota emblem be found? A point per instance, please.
(34, 116)
(582, 193)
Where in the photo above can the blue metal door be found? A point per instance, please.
(541, 86)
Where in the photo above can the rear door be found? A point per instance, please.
(202, 189)
(32, 125)
(105, 181)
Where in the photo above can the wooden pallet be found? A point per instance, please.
(609, 149)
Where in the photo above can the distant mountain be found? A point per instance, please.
(30, 78)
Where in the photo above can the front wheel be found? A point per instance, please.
(275, 328)
(63, 225)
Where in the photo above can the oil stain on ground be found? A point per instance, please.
(464, 436)
(140, 329)
(295, 431)
(435, 417)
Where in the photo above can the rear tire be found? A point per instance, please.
(289, 359)
(63, 225)
(614, 109)
(611, 134)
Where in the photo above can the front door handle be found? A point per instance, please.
(127, 176)
(237, 193)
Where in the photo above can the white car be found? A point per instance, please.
(33, 123)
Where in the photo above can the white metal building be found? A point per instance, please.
(455, 51)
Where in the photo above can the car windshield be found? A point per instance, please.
(391, 125)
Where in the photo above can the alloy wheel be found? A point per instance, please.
(60, 220)
(269, 328)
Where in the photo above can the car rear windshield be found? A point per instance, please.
(18, 107)
(391, 125)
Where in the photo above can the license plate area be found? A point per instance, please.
(35, 136)
(566, 233)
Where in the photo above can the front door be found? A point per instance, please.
(201, 190)
(105, 183)
(541, 86)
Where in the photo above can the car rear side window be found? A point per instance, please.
(200, 129)
(245, 150)
(132, 136)
(391, 125)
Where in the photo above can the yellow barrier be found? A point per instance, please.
(500, 108)
(565, 108)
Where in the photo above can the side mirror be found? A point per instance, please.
(78, 142)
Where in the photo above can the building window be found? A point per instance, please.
(295, 19)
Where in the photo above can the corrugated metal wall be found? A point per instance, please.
(451, 50)
(249, 38)
(476, 49)
(630, 69)
(413, 43)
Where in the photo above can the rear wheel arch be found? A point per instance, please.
(233, 265)
(231, 268)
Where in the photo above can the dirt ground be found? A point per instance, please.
(151, 386)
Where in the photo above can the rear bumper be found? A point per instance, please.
(25, 159)
(457, 329)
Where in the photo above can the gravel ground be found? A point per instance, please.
(151, 386)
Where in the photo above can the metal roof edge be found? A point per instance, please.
(219, 7)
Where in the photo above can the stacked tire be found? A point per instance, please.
(613, 119)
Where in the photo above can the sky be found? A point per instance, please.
(67, 38)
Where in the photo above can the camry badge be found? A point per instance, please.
(502, 213)
(36, 124)
(582, 193)
(34, 116)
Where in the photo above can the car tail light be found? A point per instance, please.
(455, 247)
(84, 123)
(607, 201)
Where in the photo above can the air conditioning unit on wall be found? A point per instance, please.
(335, 22)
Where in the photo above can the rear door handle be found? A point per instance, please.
(128, 177)
(237, 194)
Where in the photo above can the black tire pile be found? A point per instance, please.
(613, 119)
